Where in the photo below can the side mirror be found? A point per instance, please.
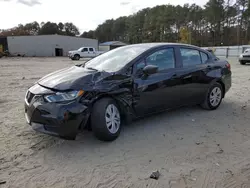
(150, 69)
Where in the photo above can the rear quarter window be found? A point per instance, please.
(204, 57)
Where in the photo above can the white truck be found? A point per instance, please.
(84, 52)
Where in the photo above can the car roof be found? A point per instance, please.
(156, 44)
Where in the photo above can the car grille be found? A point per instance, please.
(29, 96)
(246, 56)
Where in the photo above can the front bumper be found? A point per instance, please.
(244, 59)
(71, 55)
(57, 119)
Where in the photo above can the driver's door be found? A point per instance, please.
(85, 52)
(157, 91)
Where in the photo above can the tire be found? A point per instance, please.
(76, 57)
(215, 90)
(102, 109)
(242, 62)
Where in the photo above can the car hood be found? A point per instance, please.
(246, 53)
(72, 78)
(72, 51)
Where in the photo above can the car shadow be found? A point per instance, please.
(184, 134)
(156, 128)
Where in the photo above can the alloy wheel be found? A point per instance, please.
(215, 96)
(113, 120)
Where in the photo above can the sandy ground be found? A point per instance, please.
(190, 147)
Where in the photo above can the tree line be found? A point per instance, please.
(47, 28)
(219, 22)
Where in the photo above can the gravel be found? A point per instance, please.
(167, 141)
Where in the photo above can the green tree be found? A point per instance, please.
(32, 28)
(49, 28)
(70, 29)
(214, 14)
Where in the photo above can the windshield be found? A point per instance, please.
(116, 59)
(247, 51)
(80, 49)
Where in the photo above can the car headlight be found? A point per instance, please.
(63, 96)
(241, 55)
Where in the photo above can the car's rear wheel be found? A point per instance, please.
(242, 62)
(213, 97)
(106, 119)
(76, 57)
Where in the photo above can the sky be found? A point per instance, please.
(85, 14)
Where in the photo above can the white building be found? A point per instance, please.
(106, 46)
(47, 45)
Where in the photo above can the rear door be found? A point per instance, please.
(195, 81)
(158, 91)
(92, 52)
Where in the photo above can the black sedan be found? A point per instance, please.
(123, 84)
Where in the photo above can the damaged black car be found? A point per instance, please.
(124, 84)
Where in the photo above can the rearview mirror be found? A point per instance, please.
(150, 69)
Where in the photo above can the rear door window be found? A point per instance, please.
(91, 49)
(190, 57)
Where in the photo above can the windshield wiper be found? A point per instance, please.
(78, 65)
(91, 68)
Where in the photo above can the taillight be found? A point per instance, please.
(228, 66)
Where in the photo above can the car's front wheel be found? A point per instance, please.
(76, 57)
(106, 119)
(213, 97)
(242, 62)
